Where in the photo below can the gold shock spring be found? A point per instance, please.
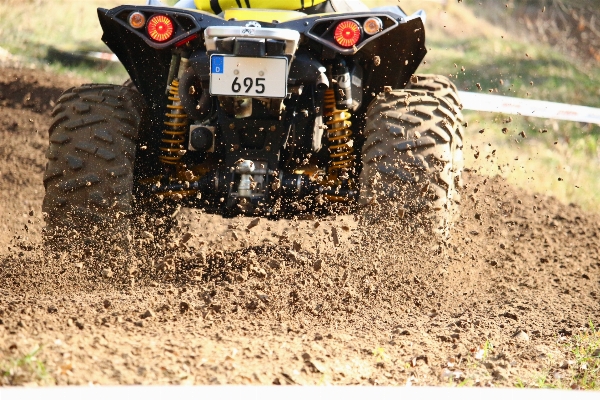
(339, 135)
(176, 128)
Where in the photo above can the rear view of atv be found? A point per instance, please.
(255, 112)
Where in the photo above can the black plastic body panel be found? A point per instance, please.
(388, 58)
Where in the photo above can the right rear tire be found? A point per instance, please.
(441, 86)
(408, 158)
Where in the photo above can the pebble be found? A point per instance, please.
(318, 265)
(186, 238)
(184, 307)
(522, 336)
(253, 223)
(147, 314)
(335, 235)
(147, 235)
(263, 297)
(106, 303)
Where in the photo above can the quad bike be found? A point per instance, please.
(255, 112)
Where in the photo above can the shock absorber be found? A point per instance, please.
(339, 136)
(176, 124)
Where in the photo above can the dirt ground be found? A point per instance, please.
(315, 302)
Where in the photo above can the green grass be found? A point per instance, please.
(30, 29)
(580, 370)
(584, 349)
(509, 66)
(24, 369)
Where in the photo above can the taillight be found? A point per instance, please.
(137, 20)
(372, 26)
(347, 33)
(160, 28)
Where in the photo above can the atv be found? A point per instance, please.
(255, 112)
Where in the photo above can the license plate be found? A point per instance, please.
(248, 76)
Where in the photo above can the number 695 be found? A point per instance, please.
(248, 83)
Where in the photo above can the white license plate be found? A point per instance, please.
(248, 76)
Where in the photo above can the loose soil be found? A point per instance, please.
(244, 301)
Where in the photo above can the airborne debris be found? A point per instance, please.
(253, 223)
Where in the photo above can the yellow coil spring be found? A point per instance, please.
(176, 122)
(339, 136)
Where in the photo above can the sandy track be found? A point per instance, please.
(292, 302)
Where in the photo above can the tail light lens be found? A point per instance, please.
(137, 20)
(372, 26)
(347, 33)
(160, 28)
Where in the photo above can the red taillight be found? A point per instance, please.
(347, 33)
(160, 28)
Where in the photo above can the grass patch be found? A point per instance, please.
(25, 369)
(584, 350)
(580, 370)
(557, 158)
(31, 30)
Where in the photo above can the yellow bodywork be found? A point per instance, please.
(240, 14)
(217, 5)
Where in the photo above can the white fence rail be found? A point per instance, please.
(530, 108)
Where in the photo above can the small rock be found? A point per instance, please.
(147, 235)
(253, 223)
(318, 265)
(139, 323)
(79, 325)
(447, 374)
(52, 309)
(522, 336)
(106, 303)
(558, 375)
(260, 272)
(183, 307)
(186, 238)
(335, 235)
(275, 264)
(107, 273)
(147, 314)
(263, 297)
